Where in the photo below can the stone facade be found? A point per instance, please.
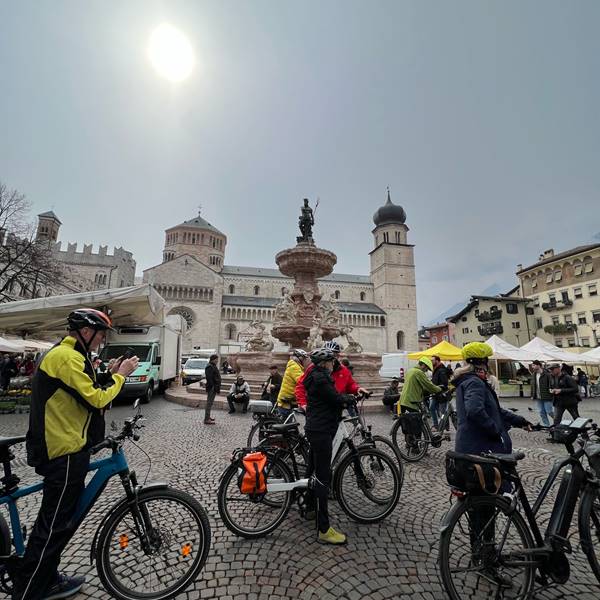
(220, 301)
(564, 289)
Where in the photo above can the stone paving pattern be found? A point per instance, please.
(393, 559)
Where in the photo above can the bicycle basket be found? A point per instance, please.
(473, 474)
(592, 452)
(411, 423)
(251, 479)
(564, 434)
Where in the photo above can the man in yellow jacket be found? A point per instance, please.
(67, 418)
(286, 400)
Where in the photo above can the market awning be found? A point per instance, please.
(445, 350)
(135, 305)
(592, 356)
(10, 345)
(505, 351)
(542, 350)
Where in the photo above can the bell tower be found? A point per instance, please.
(48, 227)
(393, 276)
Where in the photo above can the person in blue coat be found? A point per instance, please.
(483, 424)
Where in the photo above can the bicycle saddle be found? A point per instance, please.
(283, 427)
(508, 459)
(6, 442)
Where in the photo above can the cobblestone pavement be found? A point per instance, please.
(393, 559)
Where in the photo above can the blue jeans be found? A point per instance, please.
(546, 409)
(437, 409)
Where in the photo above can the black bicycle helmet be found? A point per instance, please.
(89, 317)
(321, 355)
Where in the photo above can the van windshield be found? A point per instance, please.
(196, 363)
(142, 352)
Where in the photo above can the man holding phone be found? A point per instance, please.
(66, 419)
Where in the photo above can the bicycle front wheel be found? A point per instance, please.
(254, 516)
(387, 446)
(483, 551)
(367, 484)
(589, 527)
(156, 556)
(412, 448)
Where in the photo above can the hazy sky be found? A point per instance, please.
(482, 117)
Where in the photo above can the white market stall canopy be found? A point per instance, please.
(10, 345)
(592, 356)
(135, 305)
(545, 351)
(505, 351)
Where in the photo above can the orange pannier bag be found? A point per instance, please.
(252, 479)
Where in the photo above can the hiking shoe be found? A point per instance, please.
(230, 412)
(331, 536)
(502, 579)
(209, 422)
(65, 586)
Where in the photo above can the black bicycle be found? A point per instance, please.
(491, 545)
(412, 434)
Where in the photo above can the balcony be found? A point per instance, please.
(494, 315)
(561, 328)
(490, 329)
(557, 304)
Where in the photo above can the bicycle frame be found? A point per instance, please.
(105, 469)
(341, 436)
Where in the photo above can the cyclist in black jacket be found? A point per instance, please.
(323, 413)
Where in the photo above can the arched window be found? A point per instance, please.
(337, 294)
(363, 296)
(256, 290)
(283, 291)
(400, 340)
(232, 289)
(230, 332)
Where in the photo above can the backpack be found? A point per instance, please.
(252, 479)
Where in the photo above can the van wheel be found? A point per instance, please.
(145, 399)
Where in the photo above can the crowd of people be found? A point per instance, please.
(14, 365)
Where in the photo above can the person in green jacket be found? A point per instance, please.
(416, 386)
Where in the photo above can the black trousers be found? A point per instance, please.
(319, 465)
(559, 411)
(232, 401)
(64, 481)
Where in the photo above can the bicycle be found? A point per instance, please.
(366, 482)
(491, 545)
(412, 435)
(151, 544)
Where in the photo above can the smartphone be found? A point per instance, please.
(129, 352)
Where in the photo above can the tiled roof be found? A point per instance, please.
(275, 273)
(259, 302)
(560, 256)
(50, 215)
(199, 223)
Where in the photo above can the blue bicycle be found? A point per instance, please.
(151, 544)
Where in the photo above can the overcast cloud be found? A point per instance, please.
(482, 117)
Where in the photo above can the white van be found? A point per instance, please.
(395, 365)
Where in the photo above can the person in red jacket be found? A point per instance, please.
(341, 375)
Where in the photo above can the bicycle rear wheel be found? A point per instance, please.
(256, 434)
(367, 484)
(411, 448)
(254, 516)
(160, 562)
(482, 554)
(589, 527)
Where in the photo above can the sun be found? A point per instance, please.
(171, 53)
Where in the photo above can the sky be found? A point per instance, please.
(481, 117)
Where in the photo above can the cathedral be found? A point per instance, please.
(220, 301)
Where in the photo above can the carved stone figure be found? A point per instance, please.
(330, 313)
(314, 339)
(286, 310)
(353, 346)
(306, 222)
(258, 342)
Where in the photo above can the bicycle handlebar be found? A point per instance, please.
(129, 431)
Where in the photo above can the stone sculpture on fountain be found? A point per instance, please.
(258, 342)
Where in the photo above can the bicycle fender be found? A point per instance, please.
(155, 485)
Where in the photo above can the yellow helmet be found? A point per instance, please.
(425, 360)
(477, 351)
